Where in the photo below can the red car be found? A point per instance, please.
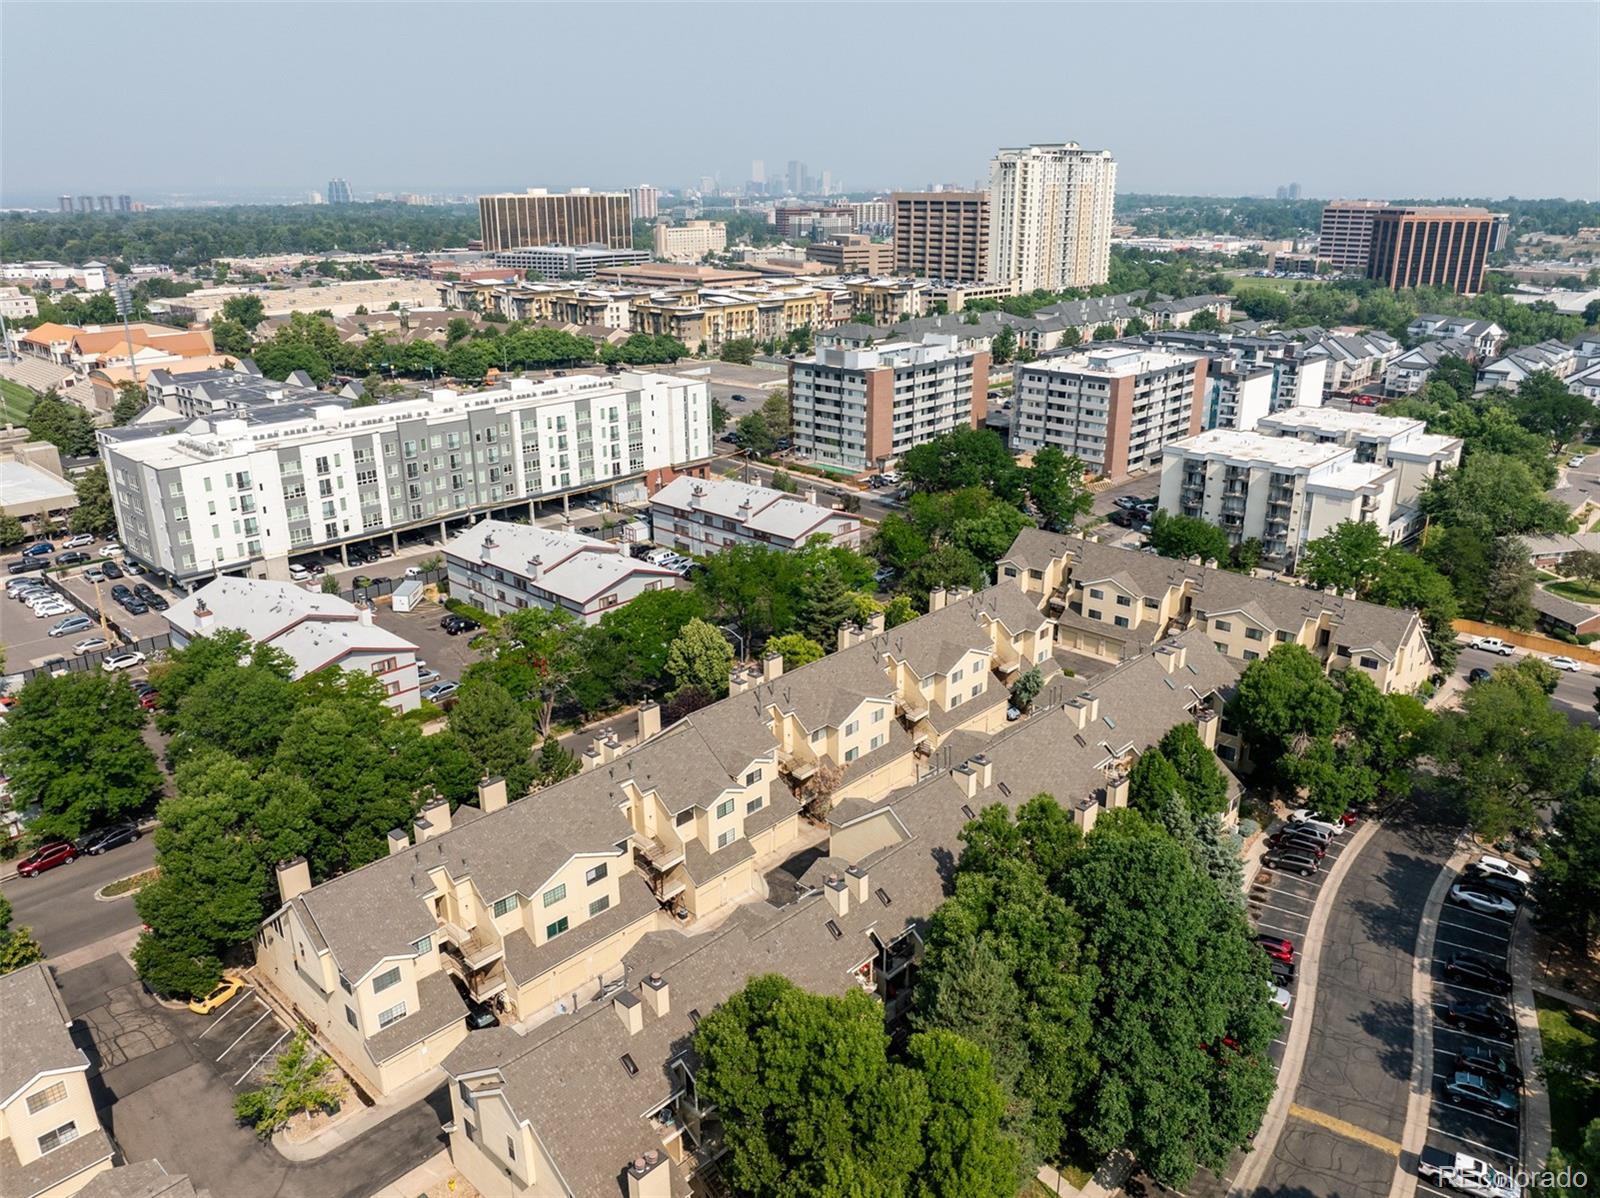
(148, 700)
(46, 857)
(1276, 948)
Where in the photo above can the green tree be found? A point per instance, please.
(131, 400)
(1055, 485)
(1202, 784)
(1461, 555)
(1187, 536)
(741, 350)
(965, 1149)
(1104, 332)
(536, 654)
(246, 310)
(242, 710)
(554, 763)
(625, 655)
(1568, 882)
(1494, 494)
(1346, 559)
(1004, 345)
(783, 481)
(1545, 406)
(73, 745)
(495, 731)
(1583, 564)
(94, 512)
(699, 656)
(1504, 751)
(796, 649)
(1178, 975)
(63, 424)
(810, 1102)
(1407, 580)
(1283, 702)
(1246, 555)
(1203, 321)
(1508, 591)
(755, 434)
(968, 457)
(11, 530)
(302, 1080)
(1026, 689)
(17, 945)
(824, 604)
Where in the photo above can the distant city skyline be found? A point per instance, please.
(1171, 97)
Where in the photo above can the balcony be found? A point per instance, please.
(657, 854)
(468, 948)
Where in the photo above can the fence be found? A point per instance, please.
(92, 660)
(1532, 641)
(386, 586)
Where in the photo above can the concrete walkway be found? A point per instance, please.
(435, 1169)
(1536, 1095)
(1566, 996)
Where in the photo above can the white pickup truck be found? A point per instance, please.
(1490, 644)
(1466, 1174)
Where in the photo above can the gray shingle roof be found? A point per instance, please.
(33, 1034)
(142, 1179)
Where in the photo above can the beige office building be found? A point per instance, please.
(942, 235)
(537, 217)
(1050, 216)
(1346, 237)
(691, 241)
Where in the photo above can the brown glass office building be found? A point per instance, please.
(1431, 247)
(942, 235)
(518, 219)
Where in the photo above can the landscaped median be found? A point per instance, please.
(1570, 1047)
(126, 887)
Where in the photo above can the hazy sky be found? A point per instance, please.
(1382, 99)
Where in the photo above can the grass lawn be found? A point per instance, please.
(125, 885)
(1571, 1045)
(1545, 576)
(1242, 282)
(1581, 592)
(16, 401)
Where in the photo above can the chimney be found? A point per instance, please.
(294, 878)
(936, 599)
(1206, 722)
(967, 778)
(534, 563)
(398, 841)
(602, 747)
(1078, 712)
(203, 617)
(491, 795)
(1084, 815)
(657, 995)
(650, 1176)
(590, 759)
(1117, 790)
(875, 624)
(849, 635)
(626, 1005)
(960, 593)
(437, 813)
(985, 769)
(772, 667)
(364, 614)
(696, 494)
(811, 496)
(649, 719)
(838, 894)
(738, 681)
(856, 881)
(1092, 706)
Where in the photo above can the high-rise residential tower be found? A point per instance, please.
(646, 201)
(1050, 215)
(338, 191)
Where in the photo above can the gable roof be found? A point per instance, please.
(33, 1035)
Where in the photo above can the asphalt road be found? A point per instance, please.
(60, 906)
(873, 506)
(1574, 694)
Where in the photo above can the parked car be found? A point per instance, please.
(39, 549)
(122, 661)
(74, 558)
(455, 625)
(1480, 1018)
(135, 606)
(79, 541)
(157, 602)
(385, 551)
(480, 1016)
(28, 563)
(1487, 1063)
(1561, 662)
(1288, 841)
(103, 840)
(1304, 816)
(56, 667)
(1276, 947)
(132, 567)
(1469, 969)
(110, 569)
(111, 550)
(1291, 861)
(426, 674)
(1466, 1174)
(1481, 900)
(72, 624)
(91, 644)
(1282, 971)
(299, 573)
(1281, 998)
(47, 856)
(1490, 644)
(1506, 887)
(440, 691)
(1499, 865)
(1577, 460)
(54, 607)
(121, 591)
(1488, 1096)
(94, 574)
(149, 700)
(230, 985)
(1477, 675)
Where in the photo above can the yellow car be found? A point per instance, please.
(232, 983)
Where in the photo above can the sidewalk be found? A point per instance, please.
(437, 1170)
(1566, 996)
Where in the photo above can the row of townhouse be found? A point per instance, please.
(604, 1100)
(1114, 604)
(1573, 361)
(246, 489)
(1355, 361)
(1413, 368)
(1295, 377)
(531, 906)
(1483, 338)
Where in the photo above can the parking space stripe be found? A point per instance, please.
(1459, 944)
(266, 1011)
(212, 1026)
(1340, 1127)
(1462, 927)
(1479, 1145)
(1467, 989)
(1440, 1026)
(1470, 1113)
(259, 1059)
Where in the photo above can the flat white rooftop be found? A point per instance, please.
(1334, 420)
(1257, 449)
(1112, 363)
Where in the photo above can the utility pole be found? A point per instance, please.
(125, 305)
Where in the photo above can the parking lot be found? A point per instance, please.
(239, 1042)
(1450, 1127)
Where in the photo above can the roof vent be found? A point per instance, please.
(833, 930)
(630, 1064)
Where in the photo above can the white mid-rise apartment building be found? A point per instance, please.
(701, 516)
(1050, 216)
(243, 491)
(1114, 407)
(690, 241)
(1303, 471)
(863, 406)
